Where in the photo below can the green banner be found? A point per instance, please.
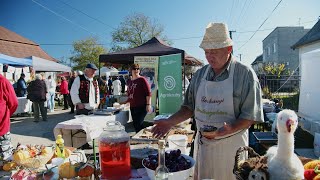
(149, 69)
(170, 84)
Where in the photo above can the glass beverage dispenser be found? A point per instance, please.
(114, 152)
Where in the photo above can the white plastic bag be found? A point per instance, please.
(316, 144)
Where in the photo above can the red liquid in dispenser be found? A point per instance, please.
(115, 160)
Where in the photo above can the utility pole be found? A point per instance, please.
(230, 33)
(240, 56)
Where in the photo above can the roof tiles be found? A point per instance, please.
(12, 44)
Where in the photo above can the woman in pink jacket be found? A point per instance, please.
(65, 92)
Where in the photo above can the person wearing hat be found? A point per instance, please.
(225, 99)
(85, 91)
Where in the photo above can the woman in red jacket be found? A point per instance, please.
(8, 105)
(65, 92)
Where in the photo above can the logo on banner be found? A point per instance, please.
(169, 83)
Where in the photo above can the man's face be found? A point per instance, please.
(90, 72)
(217, 58)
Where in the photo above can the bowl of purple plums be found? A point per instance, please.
(179, 165)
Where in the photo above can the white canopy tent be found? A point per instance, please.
(44, 65)
(107, 71)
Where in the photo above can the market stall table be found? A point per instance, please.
(24, 106)
(77, 132)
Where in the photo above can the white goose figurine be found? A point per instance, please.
(283, 163)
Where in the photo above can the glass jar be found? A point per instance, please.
(114, 152)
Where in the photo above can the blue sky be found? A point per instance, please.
(184, 21)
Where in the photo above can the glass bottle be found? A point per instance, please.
(162, 172)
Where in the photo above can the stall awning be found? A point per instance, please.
(14, 61)
(153, 47)
(44, 65)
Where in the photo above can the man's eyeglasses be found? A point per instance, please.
(135, 68)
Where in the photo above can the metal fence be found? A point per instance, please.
(284, 88)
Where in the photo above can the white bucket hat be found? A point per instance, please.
(216, 37)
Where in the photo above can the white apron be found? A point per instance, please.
(214, 106)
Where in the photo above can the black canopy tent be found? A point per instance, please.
(153, 47)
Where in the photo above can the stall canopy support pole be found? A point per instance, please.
(94, 156)
(184, 73)
(99, 68)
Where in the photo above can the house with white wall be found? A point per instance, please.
(308, 48)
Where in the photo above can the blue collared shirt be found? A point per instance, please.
(247, 97)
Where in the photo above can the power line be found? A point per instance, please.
(63, 17)
(261, 24)
(240, 15)
(234, 17)
(196, 37)
(87, 15)
(231, 11)
(242, 18)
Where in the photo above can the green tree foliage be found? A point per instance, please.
(135, 30)
(275, 69)
(86, 51)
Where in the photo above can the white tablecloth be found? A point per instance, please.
(24, 106)
(77, 132)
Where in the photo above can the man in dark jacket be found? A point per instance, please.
(37, 94)
(21, 86)
(73, 76)
(110, 85)
(123, 84)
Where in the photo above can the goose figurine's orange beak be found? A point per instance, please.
(290, 125)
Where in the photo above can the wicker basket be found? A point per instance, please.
(251, 154)
(37, 161)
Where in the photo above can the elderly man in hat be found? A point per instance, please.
(85, 91)
(225, 99)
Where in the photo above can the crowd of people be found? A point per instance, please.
(43, 92)
(224, 98)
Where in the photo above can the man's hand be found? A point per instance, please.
(80, 106)
(161, 128)
(224, 130)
